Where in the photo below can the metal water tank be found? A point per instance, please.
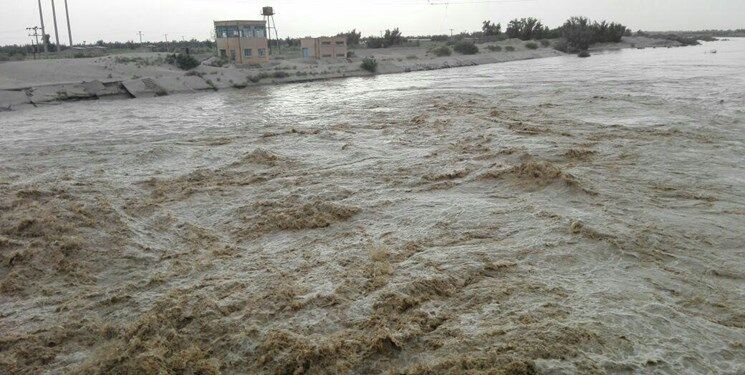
(267, 11)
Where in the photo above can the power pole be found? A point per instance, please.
(451, 33)
(36, 38)
(69, 30)
(43, 32)
(140, 34)
(56, 32)
(166, 35)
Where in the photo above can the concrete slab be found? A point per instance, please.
(144, 88)
(94, 88)
(197, 83)
(43, 94)
(11, 99)
(173, 84)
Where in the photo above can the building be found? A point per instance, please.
(242, 42)
(324, 48)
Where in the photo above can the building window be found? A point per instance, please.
(341, 55)
(223, 53)
(326, 43)
(339, 43)
(262, 52)
(326, 56)
(247, 52)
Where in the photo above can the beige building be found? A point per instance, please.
(242, 42)
(324, 48)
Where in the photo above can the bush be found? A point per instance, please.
(531, 45)
(466, 48)
(584, 53)
(371, 65)
(509, 49)
(442, 51)
(280, 74)
(580, 33)
(494, 48)
(182, 61)
(528, 28)
(545, 42)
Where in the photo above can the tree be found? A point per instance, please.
(353, 37)
(578, 33)
(491, 29)
(393, 37)
(527, 29)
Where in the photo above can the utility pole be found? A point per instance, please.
(140, 34)
(56, 32)
(166, 35)
(69, 30)
(36, 38)
(451, 33)
(43, 32)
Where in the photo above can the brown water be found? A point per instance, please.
(559, 215)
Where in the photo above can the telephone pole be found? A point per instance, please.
(166, 35)
(140, 34)
(69, 30)
(56, 31)
(43, 32)
(36, 38)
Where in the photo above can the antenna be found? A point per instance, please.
(268, 14)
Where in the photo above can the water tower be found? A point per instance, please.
(268, 14)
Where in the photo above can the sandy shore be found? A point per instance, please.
(146, 74)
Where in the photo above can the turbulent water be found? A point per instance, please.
(559, 215)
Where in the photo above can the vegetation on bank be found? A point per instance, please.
(442, 51)
(182, 61)
(369, 64)
(466, 48)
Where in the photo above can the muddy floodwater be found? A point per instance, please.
(554, 216)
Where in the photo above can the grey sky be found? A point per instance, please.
(121, 19)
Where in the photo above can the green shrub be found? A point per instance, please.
(182, 61)
(442, 51)
(369, 64)
(531, 45)
(466, 48)
(494, 48)
(545, 42)
(280, 74)
(509, 49)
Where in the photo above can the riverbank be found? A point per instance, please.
(138, 75)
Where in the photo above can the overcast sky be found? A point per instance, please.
(122, 19)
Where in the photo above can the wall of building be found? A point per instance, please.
(246, 42)
(325, 48)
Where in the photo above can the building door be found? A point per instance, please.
(232, 55)
(306, 53)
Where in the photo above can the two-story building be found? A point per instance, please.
(242, 42)
(324, 48)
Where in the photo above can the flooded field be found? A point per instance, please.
(559, 215)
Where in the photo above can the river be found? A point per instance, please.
(557, 215)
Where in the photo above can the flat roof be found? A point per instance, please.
(240, 22)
